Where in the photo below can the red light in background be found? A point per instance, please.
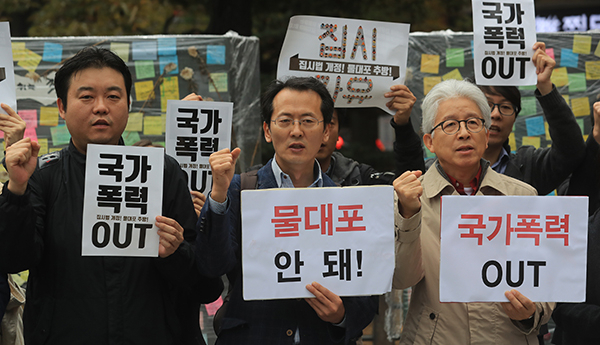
(379, 145)
(339, 143)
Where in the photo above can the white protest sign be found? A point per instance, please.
(503, 38)
(492, 244)
(358, 60)
(41, 91)
(342, 238)
(123, 196)
(8, 94)
(194, 130)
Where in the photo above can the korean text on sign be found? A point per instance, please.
(123, 196)
(194, 130)
(345, 241)
(536, 244)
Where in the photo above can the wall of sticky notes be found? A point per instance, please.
(437, 56)
(220, 68)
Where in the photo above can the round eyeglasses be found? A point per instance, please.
(473, 125)
(505, 108)
(306, 122)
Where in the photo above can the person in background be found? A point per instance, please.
(345, 171)
(578, 323)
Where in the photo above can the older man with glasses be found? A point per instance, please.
(456, 122)
(544, 168)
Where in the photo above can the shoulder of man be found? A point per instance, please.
(509, 185)
(50, 159)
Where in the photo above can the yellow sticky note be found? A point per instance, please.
(169, 89)
(531, 141)
(153, 125)
(43, 146)
(48, 116)
(220, 82)
(547, 127)
(592, 70)
(135, 122)
(430, 63)
(597, 52)
(580, 106)
(30, 60)
(429, 83)
(560, 76)
(582, 44)
(18, 50)
(143, 89)
(454, 74)
(121, 49)
(566, 97)
(512, 141)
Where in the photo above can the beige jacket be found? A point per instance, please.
(418, 265)
(11, 327)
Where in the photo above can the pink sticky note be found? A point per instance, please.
(30, 117)
(31, 133)
(212, 308)
(550, 52)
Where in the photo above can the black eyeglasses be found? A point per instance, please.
(473, 125)
(505, 108)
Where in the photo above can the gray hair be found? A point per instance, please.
(450, 89)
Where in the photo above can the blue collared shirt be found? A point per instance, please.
(501, 163)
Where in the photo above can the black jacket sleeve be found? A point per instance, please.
(408, 150)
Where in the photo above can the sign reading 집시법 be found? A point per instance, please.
(358, 60)
(492, 244)
(342, 238)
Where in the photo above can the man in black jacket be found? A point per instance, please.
(93, 299)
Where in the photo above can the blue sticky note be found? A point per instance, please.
(167, 46)
(144, 50)
(472, 48)
(52, 52)
(568, 58)
(164, 60)
(215, 55)
(535, 126)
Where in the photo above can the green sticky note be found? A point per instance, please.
(60, 135)
(131, 138)
(455, 57)
(580, 123)
(144, 69)
(528, 106)
(528, 87)
(577, 82)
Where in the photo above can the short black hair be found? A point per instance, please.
(511, 93)
(297, 84)
(89, 57)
